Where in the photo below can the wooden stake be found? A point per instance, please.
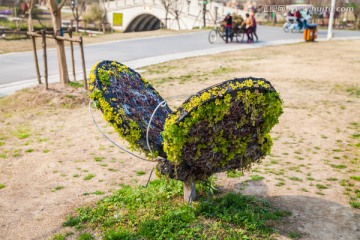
(45, 59)
(36, 60)
(83, 62)
(189, 191)
(72, 55)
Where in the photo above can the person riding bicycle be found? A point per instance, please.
(228, 26)
(297, 14)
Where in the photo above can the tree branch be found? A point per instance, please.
(61, 4)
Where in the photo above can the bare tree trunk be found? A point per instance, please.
(55, 10)
(30, 4)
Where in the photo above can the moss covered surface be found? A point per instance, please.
(127, 102)
(221, 128)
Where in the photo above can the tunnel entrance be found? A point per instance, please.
(144, 22)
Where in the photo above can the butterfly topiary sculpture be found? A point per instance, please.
(223, 127)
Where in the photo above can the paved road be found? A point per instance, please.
(19, 68)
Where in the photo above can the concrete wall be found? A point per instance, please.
(142, 13)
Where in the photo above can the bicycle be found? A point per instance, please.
(219, 30)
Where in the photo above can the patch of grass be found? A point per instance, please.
(29, 150)
(112, 170)
(3, 155)
(357, 192)
(332, 179)
(98, 192)
(356, 178)
(2, 143)
(320, 186)
(76, 175)
(294, 235)
(353, 91)
(2, 185)
(58, 237)
(344, 183)
(340, 166)
(85, 236)
(256, 178)
(279, 184)
(140, 173)
(89, 176)
(356, 135)
(158, 212)
(223, 70)
(304, 190)
(22, 133)
(295, 179)
(234, 174)
(76, 84)
(98, 159)
(274, 162)
(57, 188)
(355, 204)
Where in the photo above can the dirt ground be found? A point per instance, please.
(53, 160)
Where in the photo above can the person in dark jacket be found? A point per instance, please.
(228, 27)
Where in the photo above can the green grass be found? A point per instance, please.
(234, 174)
(140, 173)
(21, 133)
(355, 204)
(76, 84)
(57, 188)
(332, 179)
(158, 212)
(279, 184)
(320, 186)
(85, 236)
(294, 235)
(340, 166)
(356, 135)
(89, 176)
(2, 143)
(356, 178)
(295, 179)
(98, 159)
(256, 178)
(354, 90)
(2, 185)
(58, 237)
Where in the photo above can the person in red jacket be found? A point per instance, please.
(297, 14)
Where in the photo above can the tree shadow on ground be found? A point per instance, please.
(312, 217)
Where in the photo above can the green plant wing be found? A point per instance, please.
(221, 128)
(127, 102)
